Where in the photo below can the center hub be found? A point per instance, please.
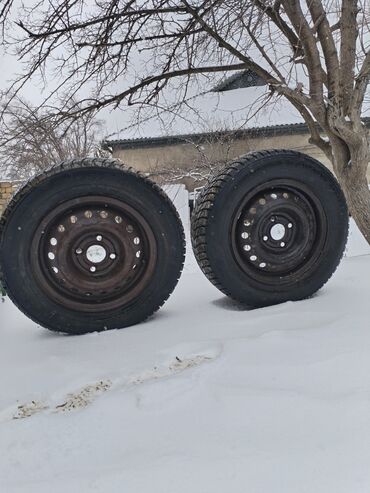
(277, 232)
(96, 254)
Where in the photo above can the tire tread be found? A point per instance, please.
(79, 163)
(203, 208)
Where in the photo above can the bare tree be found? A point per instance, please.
(30, 143)
(315, 53)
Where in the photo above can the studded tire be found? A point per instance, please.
(89, 246)
(270, 227)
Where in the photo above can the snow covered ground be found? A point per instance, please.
(204, 397)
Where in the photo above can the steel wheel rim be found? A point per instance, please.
(278, 232)
(93, 254)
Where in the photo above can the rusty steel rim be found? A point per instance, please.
(278, 232)
(93, 254)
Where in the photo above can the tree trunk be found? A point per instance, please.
(352, 177)
(358, 200)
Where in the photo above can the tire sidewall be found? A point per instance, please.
(285, 165)
(140, 194)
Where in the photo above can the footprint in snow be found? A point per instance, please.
(29, 409)
(71, 402)
(176, 366)
(85, 396)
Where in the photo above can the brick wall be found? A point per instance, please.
(7, 189)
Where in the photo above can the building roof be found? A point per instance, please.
(246, 78)
(198, 138)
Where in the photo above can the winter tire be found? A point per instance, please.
(270, 227)
(90, 246)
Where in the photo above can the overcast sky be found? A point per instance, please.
(231, 109)
(213, 111)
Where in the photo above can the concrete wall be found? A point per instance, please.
(154, 160)
(185, 155)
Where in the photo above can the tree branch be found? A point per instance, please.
(117, 98)
(349, 33)
(361, 85)
(98, 20)
(322, 27)
(312, 55)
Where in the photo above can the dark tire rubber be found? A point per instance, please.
(219, 207)
(68, 182)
